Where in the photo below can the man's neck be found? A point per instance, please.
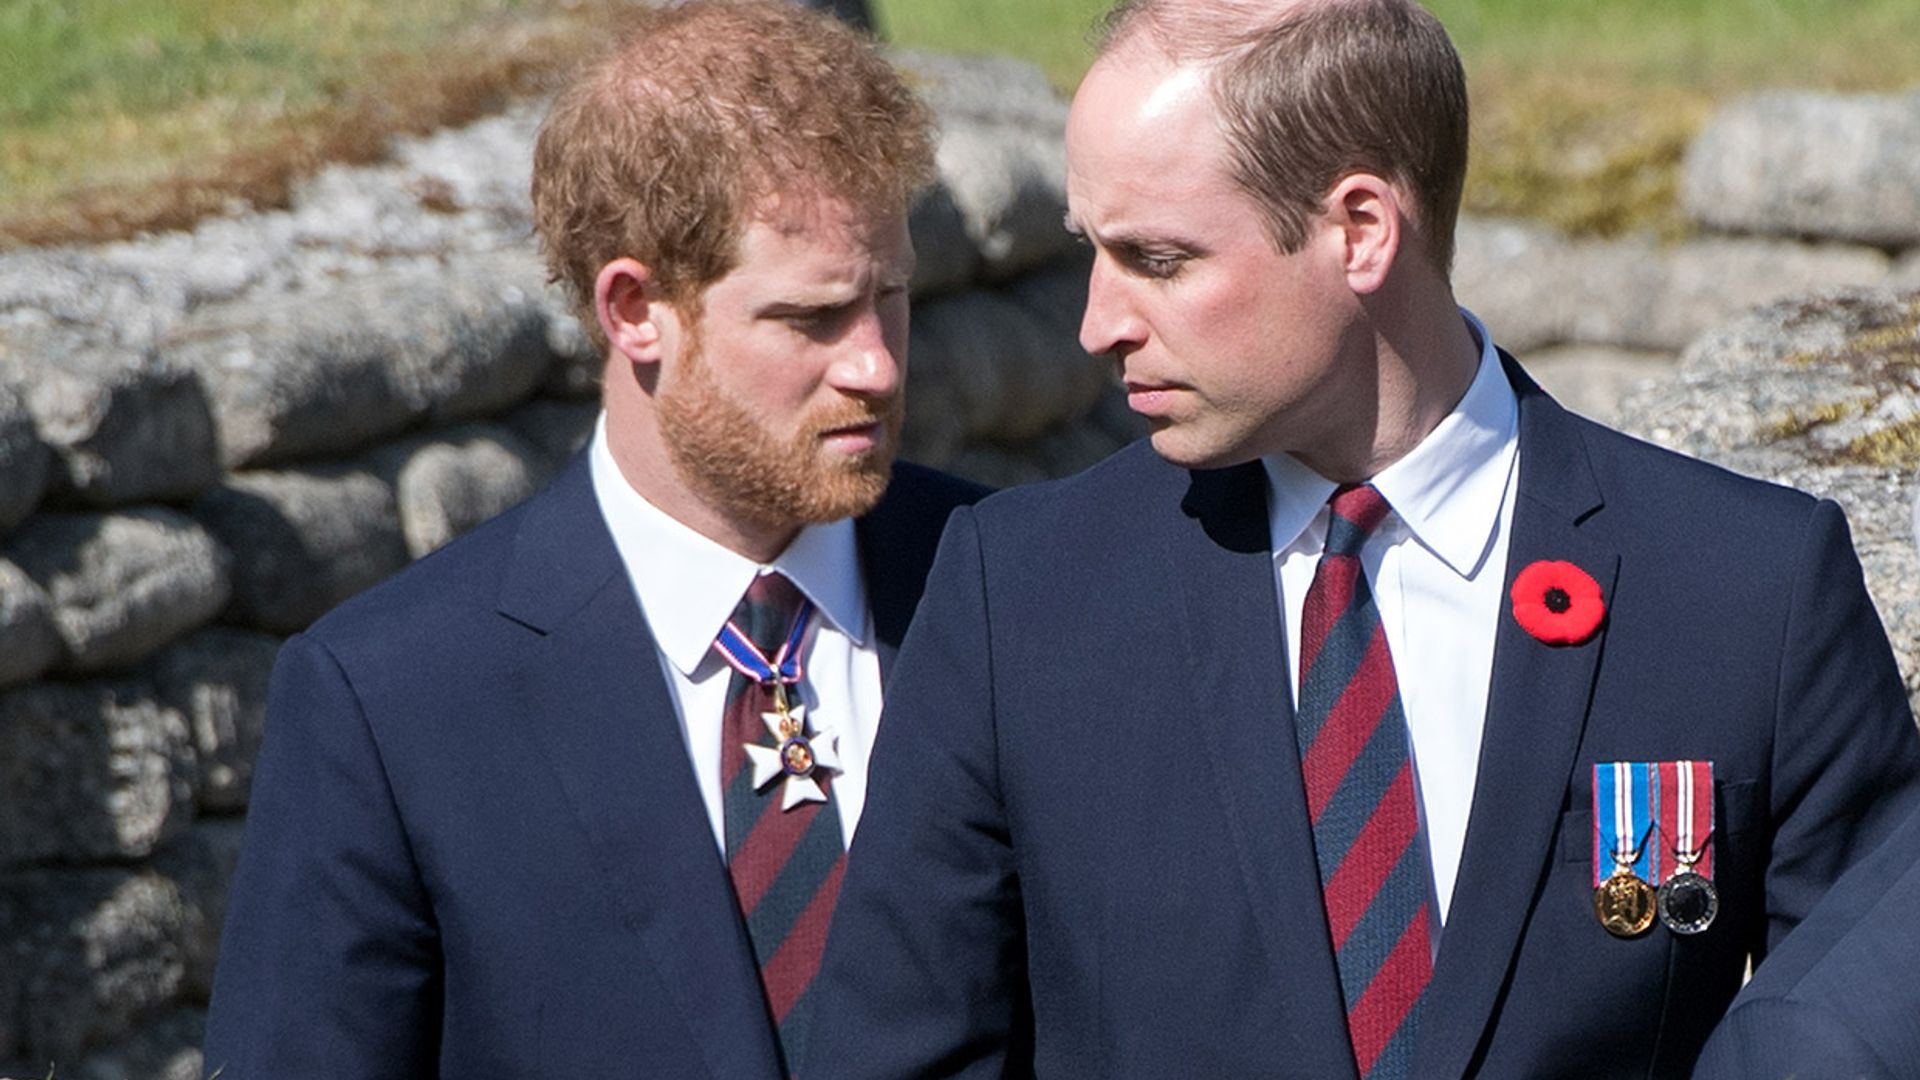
(1425, 358)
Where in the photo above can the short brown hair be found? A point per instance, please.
(661, 149)
(1312, 91)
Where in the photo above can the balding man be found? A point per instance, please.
(1381, 718)
(570, 797)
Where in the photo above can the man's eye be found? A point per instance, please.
(1155, 265)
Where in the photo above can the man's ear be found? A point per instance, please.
(630, 306)
(1368, 212)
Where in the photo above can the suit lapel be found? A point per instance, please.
(1222, 564)
(1536, 711)
(599, 707)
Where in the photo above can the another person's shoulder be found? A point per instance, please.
(1093, 500)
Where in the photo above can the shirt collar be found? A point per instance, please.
(688, 585)
(1447, 491)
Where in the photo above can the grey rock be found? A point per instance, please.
(90, 771)
(1000, 364)
(76, 288)
(1592, 379)
(577, 362)
(124, 583)
(217, 681)
(999, 89)
(1009, 184)
(29, 640)
(105, 953)
(1905, 275)
(24, 459)
(1646, 296)
(164, 1048)
(312, 375)
(1516, 277)
(1838, 166)
(945, 258)
(557, 429)
(1002, 167)
(303, 540)
(200, 865)
(124, 425)
(1534, 287)
(1004, 365)
(456, 478)
(1821, 392)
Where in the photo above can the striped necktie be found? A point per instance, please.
(1360, 795)
(784, 853)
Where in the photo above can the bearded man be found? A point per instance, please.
(570, 797)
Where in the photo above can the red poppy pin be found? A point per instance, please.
(1557, 602)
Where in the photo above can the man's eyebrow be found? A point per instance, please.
(1073, 227)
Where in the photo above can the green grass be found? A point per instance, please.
(120, 115)
(1051, 33)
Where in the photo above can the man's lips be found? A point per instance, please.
(1150, 398)
(857, 436)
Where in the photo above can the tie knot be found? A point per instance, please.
(765, 613)
(1358, 509)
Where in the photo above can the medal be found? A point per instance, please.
(1688, 903)
(1624, 902)
(1623, 897)
(1688, 900)
(800, 753)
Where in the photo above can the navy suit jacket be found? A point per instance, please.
(476, 847)
(1840, 997)
(1090, 853)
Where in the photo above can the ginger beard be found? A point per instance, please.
(737, 463)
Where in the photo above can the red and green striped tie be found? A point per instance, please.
(785, 864)
(1360, 795)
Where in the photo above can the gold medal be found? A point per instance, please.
(1624, 903)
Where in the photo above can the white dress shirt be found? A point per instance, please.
(1436, 566)
(688, 586)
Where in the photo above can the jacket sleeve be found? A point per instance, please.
(925, 969)
(1846, 754)
(329, 961)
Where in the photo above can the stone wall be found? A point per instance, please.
(208, 438)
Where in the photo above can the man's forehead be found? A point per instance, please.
(1144, 116)
(804, 211)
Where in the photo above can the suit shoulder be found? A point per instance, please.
(1115, 488)
(1641, 465)
(446, 585)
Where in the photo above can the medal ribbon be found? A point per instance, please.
(1623, 817)
(1686, 818)
(785, 668)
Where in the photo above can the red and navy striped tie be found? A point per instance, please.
(1360, 795)
(785, 864)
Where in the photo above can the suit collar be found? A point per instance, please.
(1236, 692)
(1536, 713)
(598, 705)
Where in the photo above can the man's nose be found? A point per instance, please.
(871, 362)
(1110, 324)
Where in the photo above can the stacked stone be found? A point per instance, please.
(209, 438)
(1790, 193)
(1819, 389)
